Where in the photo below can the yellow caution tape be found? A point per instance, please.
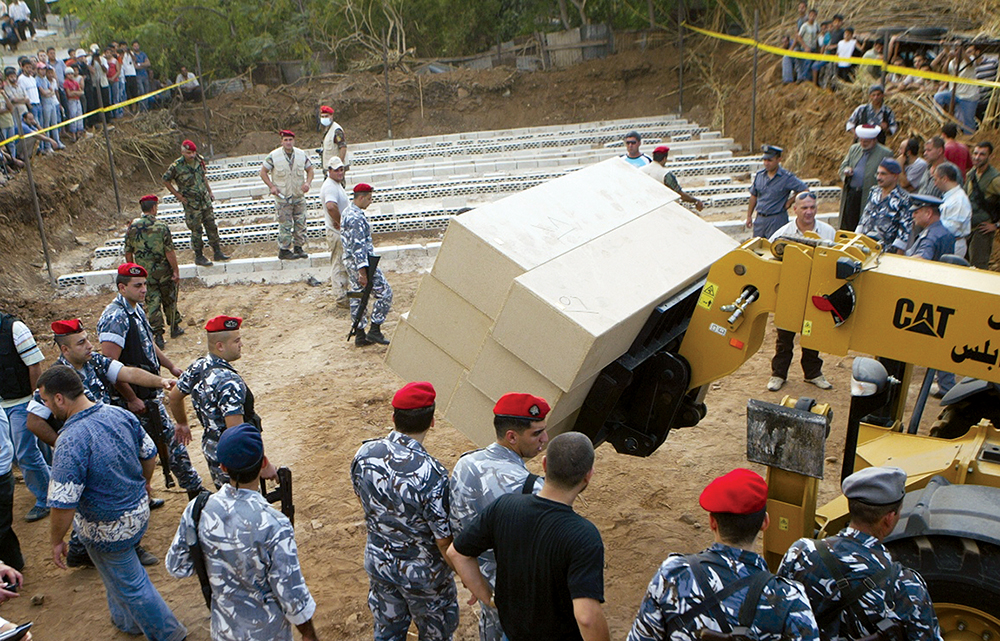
(823, 57)
(118, 105)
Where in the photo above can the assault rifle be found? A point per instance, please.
(364, 295)
(282, 492)
(155, 432)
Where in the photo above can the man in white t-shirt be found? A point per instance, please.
(845, 49)
(191, 90)
(128, 70)
(335, 203)
(808, 39)
(812, 365)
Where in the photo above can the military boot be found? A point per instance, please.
(199, 259)
(361, 339)
(218, 255)
(375, 335)
(285, 254)
(176, 331)
(300, 253)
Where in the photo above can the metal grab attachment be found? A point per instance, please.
(641, 396)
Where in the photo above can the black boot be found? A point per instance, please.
(176, 331)
(375, 335)
(361, 339)
(300, 253)
(199, 259)
(218, 255)
(286, 254)
(158, 339)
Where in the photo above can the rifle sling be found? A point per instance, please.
(850, 594)
(713, 599)
(197, 554)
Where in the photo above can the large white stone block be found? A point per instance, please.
(448, 321)
(415, 358)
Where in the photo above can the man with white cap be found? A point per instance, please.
(854, 586)
(888, 216)
(858, 169)
(678, 603)
(335, 204)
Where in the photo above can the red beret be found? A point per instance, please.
(662, 149)
(189, 145)
(131, 269)
(326, 110)
(66, 327)
(223, 324)
(533, 408)
(149, 197)
(414, 396)
(287, 132)
(742, 491)
(363, 188)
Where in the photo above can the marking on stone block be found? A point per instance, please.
(574, 304)
(708, 294)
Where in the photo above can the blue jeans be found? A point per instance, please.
(965, 110)
(50, 118)
(136, 607)
(142, 83)
(36, 109)
(5, 133)
(28, 455)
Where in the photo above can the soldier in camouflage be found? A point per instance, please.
(482, 476)
(356, 234)
(838, 571)
(252, 562)
(218, 394)
(194, 192)
(148, 243)
(404, 493)
(706, 591)
(334, 142)
(288, 173)
(126, 335)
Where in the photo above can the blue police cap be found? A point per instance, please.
(770, 151)
(240, 447)
(876, 485)
(891, 166)
(923, 200)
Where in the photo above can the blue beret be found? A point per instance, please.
(876, 485)
(875, 88)
(922, 200)
(891, 166)
(240, 447)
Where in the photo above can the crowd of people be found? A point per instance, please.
(47, 89)
(965, 60)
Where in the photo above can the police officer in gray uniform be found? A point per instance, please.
(404, 493)
(252, 562)
(771, 194)
(726, 588)
(838, 572)
(482, 476)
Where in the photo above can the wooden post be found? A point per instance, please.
(680, 61)
(885, 59)
(111, 155)
(388, 101)
(34, 200)
(753, 102)
(204, 104)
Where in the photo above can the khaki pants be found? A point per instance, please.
(338, 273)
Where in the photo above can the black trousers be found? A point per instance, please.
(812, 364)
(850, 212)
(10, 547)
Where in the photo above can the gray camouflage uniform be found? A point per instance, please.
(113, 327)
(404, 493)
(258, 591)
(783, 612)
(356, 234)
(217, 391)
(861, 555)
(479, 478)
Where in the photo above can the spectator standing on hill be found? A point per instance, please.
(961, 62)
(141, 72)
(875, 113)
(74, 106)
(808, 39)
(845, 49)
(983, 187)
(954, 151)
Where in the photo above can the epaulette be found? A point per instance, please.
(471, 451)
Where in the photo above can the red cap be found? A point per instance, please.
(66, 327)
(149, 197)
(223, 324)
(662, 149)
(189, 145)
(742, 491)
(287, 132)
(414, 396)
(326, 110)
(363, 188)
(533, 408)
(131, 269)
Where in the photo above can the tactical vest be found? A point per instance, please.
(288, 178)
(14, 380)
(249, 415)
(132, 354)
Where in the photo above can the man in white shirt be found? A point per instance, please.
(335, 204)
(191, 90)
(966, 96)
(845, 49)
(956, 210)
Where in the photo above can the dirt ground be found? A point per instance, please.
(320, 399)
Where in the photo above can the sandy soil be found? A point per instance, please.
(320, 399)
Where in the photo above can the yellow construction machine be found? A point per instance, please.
(843, 296)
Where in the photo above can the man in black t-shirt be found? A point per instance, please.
(550, 560)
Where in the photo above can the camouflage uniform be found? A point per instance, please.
(783, 612)
(96, 374)
(356, 233)
(404, 493)
(861, 555)
(288, 173)
(193, 185)
(479, 478)
(149, 241)
(258, 591)
(217, 391)
(113, 327)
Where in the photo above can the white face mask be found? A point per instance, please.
(326, 121)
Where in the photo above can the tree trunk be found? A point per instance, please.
(581, 7)
(564, 14)
(652, 14)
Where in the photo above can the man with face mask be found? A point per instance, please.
(334, 143)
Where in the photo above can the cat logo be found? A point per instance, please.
(925, 318)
